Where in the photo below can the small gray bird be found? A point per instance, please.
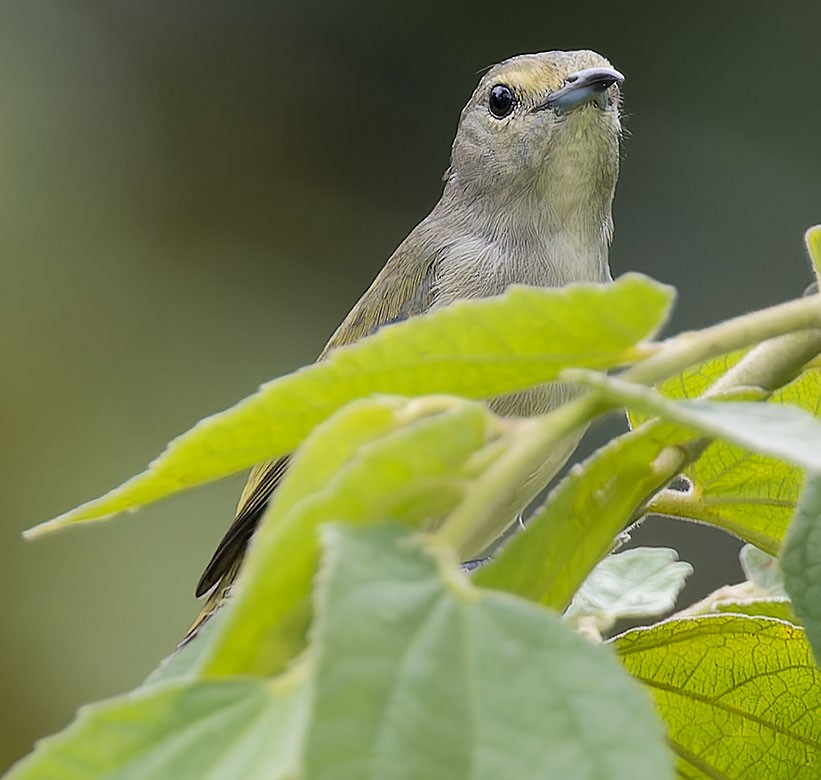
(527, 200)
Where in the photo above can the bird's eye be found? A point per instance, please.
(502, 101)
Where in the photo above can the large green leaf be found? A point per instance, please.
(741, 696)
(183, 731)
(801, 562)
(419, 675)
(475, 349)
(376, 459)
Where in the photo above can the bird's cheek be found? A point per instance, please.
(536, 145)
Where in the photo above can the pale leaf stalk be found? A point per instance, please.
(488, 507)
(687, 349)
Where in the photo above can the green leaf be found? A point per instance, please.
(741, 696)
(642, 582)
(690, 383)
(375, 459)
(575, 529)
(773, 607)
(801, 562)
(746, 493)
(198, 731)
(785, 432)
(419, 675)
(475, 349)
(812, 240)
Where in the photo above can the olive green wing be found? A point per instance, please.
(403, 288)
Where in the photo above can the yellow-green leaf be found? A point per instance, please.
(474, 349)
(747, 493)
(741, 696)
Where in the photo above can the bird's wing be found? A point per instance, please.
(403, 288)
(261, 483)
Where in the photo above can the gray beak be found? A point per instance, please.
(583, 87)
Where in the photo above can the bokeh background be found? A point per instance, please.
(192, 194)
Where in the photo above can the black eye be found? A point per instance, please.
(502, 101)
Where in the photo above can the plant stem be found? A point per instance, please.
(487, 509)
(687, 349)
(772, 364)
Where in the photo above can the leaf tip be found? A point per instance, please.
(812, 240)
(41, 529)
(59, 522)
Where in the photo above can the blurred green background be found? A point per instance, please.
(193, 194)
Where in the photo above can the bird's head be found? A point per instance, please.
(545, 125)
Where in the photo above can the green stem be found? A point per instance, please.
(672, 503)
(687, 349)
(680, 505)
(772, 364)
(487, 509)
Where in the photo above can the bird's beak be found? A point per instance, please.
(582, 87)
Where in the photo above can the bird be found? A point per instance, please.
(527, 199)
